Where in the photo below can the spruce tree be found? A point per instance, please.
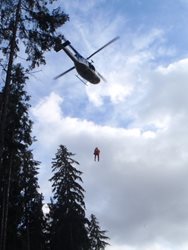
(98, 238)
(22, 221)
(68, 229)
(27, 28)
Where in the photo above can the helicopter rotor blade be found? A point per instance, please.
(102, 77)
(113, 40)
(65, 72)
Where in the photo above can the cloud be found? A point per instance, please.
(145, 41)
(155, 246)
(138, 119)
(166, 92)
(138, 189)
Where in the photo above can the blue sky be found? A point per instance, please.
(138, 118)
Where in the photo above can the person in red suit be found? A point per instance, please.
(96, 154)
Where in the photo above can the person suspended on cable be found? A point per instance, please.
(96, 154)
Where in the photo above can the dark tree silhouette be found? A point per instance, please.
(21, 214)
(98, 238)
(28, 29)
(68, 228)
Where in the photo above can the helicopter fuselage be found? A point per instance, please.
(84, 68)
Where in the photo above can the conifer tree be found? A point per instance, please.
(98, 238)
(21, 214)
(27, 28)
(68, 228)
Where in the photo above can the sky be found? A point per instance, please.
(138, 118)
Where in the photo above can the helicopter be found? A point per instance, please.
(83, 66)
